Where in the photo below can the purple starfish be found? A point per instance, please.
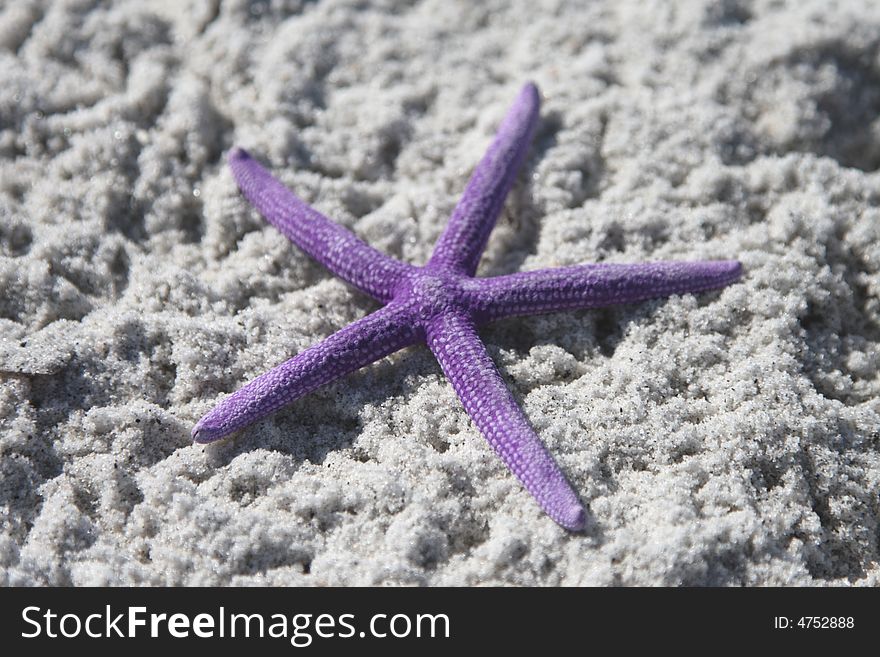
(443, 304)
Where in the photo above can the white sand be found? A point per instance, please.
(725, 438)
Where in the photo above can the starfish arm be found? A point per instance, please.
(466, 363)
(367, 340)
(333, 246)
(593, 286)
(461, 244)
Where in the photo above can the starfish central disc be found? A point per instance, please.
(432, 294)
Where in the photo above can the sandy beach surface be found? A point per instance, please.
(725, 438)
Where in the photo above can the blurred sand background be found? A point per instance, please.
(726, 438)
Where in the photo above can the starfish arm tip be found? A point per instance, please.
(237, 153)
(730, 270)
(203, 433)
(532, 88)
(573, 518)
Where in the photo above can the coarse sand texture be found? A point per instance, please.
(730, 437)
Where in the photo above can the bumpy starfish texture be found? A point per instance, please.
(443, 304)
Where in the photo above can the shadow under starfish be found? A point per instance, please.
(443, 304)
